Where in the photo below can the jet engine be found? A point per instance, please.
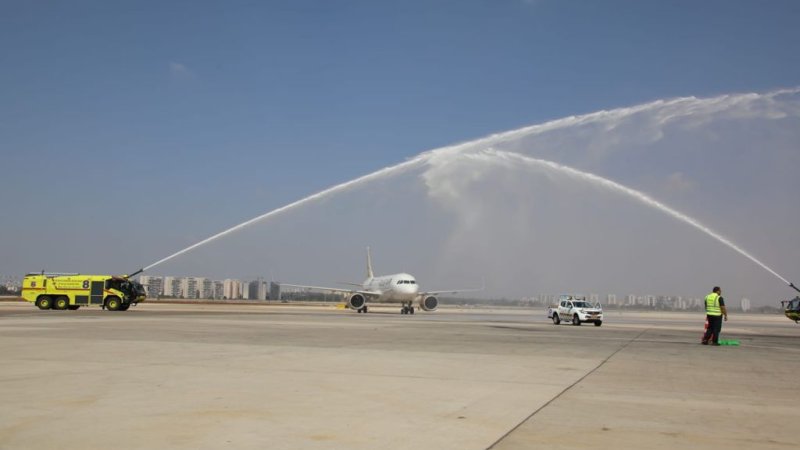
(429, 303)
(356, 301)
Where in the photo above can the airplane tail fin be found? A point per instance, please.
(369, 265)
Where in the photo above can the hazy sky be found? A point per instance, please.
(129, 130)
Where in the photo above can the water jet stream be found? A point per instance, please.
(386, 171)
(491, 155)
(680, 107)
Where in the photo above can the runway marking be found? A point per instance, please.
(566, 389)
(791, 349)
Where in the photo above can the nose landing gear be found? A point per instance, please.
(407, 309)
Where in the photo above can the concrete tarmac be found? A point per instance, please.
(314, 377)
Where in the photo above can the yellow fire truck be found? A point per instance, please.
(71, 291)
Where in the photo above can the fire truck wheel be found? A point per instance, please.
(113, 303)
(61, 303)
(44, 302)
(124, 307)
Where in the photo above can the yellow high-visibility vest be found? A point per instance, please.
(712, 304)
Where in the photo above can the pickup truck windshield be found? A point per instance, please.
(582, 305)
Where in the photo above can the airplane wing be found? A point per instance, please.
(330, 289)
(454, 291)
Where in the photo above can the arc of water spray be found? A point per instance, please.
(318, 196)
(490, 154)
(459, 149)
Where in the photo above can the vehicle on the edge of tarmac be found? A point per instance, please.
(791, 308)
(576, 310)
(71, 291)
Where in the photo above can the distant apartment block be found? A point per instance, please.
(199, 288)
(232, 289)
(206, 287)
(154, 286)
(189, 287)
(218, 289)
(257, 289)
(173, 287)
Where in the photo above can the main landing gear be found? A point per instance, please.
(363, 309)
(407, 309)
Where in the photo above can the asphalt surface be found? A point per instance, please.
(284, 376)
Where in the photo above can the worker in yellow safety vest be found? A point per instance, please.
(715, 311)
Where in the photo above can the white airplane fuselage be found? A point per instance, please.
(399, 287)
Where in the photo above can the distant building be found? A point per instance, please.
(153, 286)
(11, 283)
(257, 289)
(611, 299)
(219, 289)
(173, 287)
(745, 303)
(231, 289)
(166, 287)
(274, 291)
(206, 287)
(188, 287)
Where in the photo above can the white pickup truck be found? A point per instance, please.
(575, 309)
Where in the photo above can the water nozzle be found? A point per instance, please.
(142, 270)
(791, 285)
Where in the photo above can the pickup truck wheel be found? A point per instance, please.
(575, 320)
(44, 302)
(556, 320)
(598, 323)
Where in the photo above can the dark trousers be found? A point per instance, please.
(714, 328)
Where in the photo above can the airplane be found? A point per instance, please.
(396, 288)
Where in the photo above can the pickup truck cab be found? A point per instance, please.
(576, 310)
